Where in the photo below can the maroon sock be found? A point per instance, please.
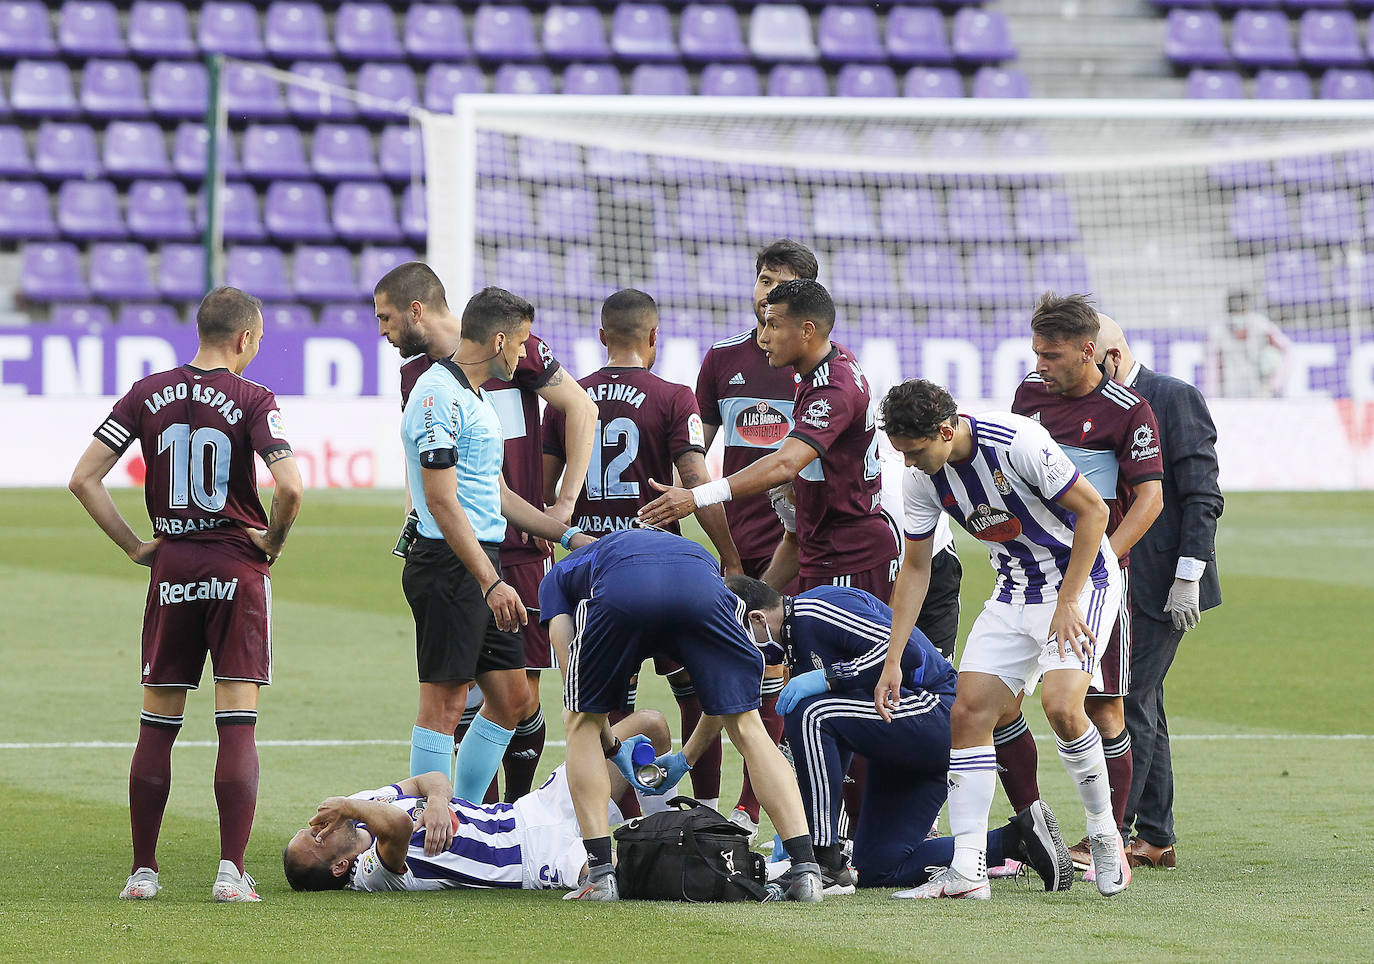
(236, 781)
(706, 771)
(1017, 760)
(1117, 750)
(856, 780)
(150, 778)
(522, 755)
(772, 722)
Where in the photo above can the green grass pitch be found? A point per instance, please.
(1270, 698)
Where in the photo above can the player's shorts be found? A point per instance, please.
(207, 596)
(1116, 658)
(939, 617)
(877, 580)
(1011, 640)
(682, 611)
(524, 578)
(551, 847)
(456, 638)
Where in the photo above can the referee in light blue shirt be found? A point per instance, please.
(467, 619)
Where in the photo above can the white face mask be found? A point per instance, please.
(771, 648)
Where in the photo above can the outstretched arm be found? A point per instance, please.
(778, 467)
(691, 466)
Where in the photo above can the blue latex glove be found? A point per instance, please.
(677, 766)
(622, 760)
(799, 688)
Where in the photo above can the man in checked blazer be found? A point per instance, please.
(1173, 581)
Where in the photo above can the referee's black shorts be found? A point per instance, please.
(456, 638)
(939, 617)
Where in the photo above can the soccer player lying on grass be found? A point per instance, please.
(415, 835)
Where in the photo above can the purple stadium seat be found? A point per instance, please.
(618, 165)
(504, 32)
(862, 275)
(297, 211)
(376, 261)
(932, 82)
(65, 150)
(1328, 217)
(1060, 271)
(1000, 82)
(25, 211)
(160, 28)
(414, 220)
(1283, 85)
(42, 88)
(240, 220)
(1259, 216)
(135, 149)
(230, 27)
(435, 31)
(776, 212)
(322, 272)
(89, 210)
(178, 89)
(540, 159)
(1261, 38)
(567, 212)
(1306, 169)
(348, 317)
(951, 143)
(151, 316)
(279, 317)
(730, 80)
(1294, 278)
(260, 271)
(160, 211)
(273, 151)
(315, 105)
(781, 32)
(911, 214)
(592, 79)
(866, 80)
(528, 272)
(660, 79)
(1258, 4)
(1348, 85)
(181, 271)
(1329, 38)
(342, 151)
(444, 82)
(574, 33)
(1044, 214)
(980, 36)
(392, 84)
(798, 80)
(1238, 173)
(402, 155)
(503, 212)
(849, 34)
(916, 35)
(666, 278)
(365, 211)
(85, 316)
(90, 28)
(52, 272)
(1215, 85)
(998, 276)
(523, 79)
(190, 152)
(711, 31)
(1194, 39)
(706, 214)
(366, 31)
(643, 31)
(250, 93)
(843, 212)
(119, 272)
(25, 30)
(932, 274)
(296, 30)
(977, 215)
(14, 153)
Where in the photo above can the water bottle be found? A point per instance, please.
(647, 772)
(409, 533)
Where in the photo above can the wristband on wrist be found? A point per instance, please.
(486, 595)
(614, 748)
(568, 536)
(711, 493)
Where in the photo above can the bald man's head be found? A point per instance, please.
(1109, 335)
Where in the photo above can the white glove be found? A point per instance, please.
(1182, 604)
(784, 504)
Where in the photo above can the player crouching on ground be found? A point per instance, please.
(415, 835)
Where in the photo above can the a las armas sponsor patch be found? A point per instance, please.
(762, 424)
(991, 524)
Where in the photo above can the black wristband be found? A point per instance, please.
(615, 748)
(486, 595)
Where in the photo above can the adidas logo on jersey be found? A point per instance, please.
(738, 379)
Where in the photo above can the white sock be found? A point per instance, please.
(652, 804)
(713, 803)
(972, 782)
(1087, 767)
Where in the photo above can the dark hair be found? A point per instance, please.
(805, 300)
(316, 876)
(494, 309)
(916, 408)
(628, 315)
(412, 281)
(786, 253)
(225, 312)
(1070, 318)
(756, 593)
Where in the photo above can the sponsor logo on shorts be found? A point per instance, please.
(762, 424)
(171, 593)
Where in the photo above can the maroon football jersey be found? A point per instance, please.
(751, 402)
(517, 402)
(1110, 434)
(198, 431)
(644, 425)
(840, 526)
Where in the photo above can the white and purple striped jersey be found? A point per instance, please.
(1004, 495)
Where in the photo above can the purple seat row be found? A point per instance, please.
(350, 316)
(1264, 38)
(1273, 84)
